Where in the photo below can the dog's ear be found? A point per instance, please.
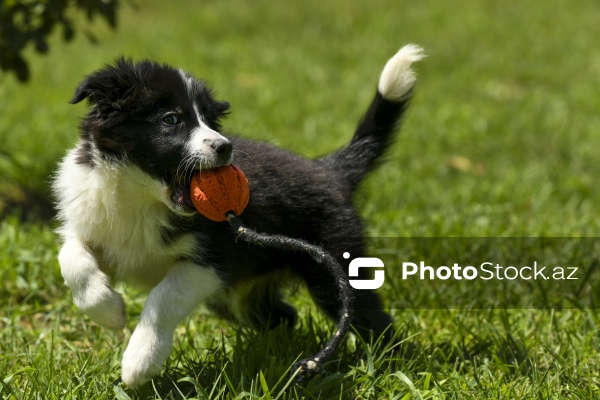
(108, 86)
(222, 107)
(86, 89)
(89, 88)
(218, 111)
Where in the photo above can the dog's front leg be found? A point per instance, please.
(90, 286)
(173, 299)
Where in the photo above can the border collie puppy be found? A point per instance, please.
(126, 214)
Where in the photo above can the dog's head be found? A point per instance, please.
(154, 117)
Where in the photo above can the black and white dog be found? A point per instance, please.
(126, 214)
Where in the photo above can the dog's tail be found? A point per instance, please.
(376, 130)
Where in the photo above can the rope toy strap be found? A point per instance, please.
(307, 367)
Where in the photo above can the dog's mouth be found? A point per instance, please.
(178, 184)
(181, 194)
(179, 191)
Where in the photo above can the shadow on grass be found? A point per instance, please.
(25, 187)
(257, 364)
(27, 203)
(254, 363)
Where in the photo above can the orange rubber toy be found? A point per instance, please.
(219, 191)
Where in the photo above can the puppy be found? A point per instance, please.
(126, 215)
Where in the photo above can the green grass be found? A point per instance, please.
(501, 141)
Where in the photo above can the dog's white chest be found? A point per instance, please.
(118, 213)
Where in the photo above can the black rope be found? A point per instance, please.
(307, 367)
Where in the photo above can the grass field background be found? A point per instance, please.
(502, 140)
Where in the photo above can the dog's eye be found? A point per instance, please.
(171, 119)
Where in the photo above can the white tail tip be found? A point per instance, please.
(397, 78)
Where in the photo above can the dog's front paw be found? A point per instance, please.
(103, 305)
(90, 286)
(145, 355)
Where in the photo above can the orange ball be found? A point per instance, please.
(218, 191)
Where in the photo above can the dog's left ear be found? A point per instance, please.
(109, 86)
(86, 89)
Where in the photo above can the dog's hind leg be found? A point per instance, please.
(262, 307)
(369, 318)
(256, 303)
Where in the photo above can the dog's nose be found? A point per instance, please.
(223, 148)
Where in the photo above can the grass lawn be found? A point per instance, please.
(502, 141)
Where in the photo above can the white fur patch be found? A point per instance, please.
(397, 78)
(199, 145)
(117, 211)
(189, 85)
